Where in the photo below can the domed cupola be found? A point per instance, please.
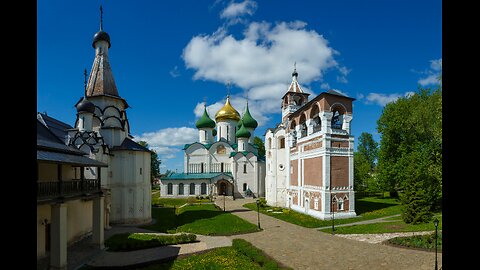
(248, 121)
(227, 112)
(243, 133)
(205, 121)
(101, 35)
(85, 106)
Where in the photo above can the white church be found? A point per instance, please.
(224, 160)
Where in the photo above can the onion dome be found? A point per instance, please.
(243, 133)
(227, 112)
(85, 106)
(101, 35)
(248, 121)
(205, 121)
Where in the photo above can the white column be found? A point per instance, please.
(309, 123)
(58, 252)
(98, 222)
(347, 122)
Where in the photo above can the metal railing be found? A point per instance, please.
(55, 189)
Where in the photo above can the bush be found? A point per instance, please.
(262, 202)
(191, 200)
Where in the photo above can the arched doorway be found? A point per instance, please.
(222, 188)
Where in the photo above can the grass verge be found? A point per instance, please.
(136, 241)
(424, 242)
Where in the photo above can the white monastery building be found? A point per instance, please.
(224, 160)
(309, 155)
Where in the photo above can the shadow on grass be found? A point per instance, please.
(362, 206)
(168, 221)
(239, 210)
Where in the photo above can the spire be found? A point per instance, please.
(294, 73)
(101, 80)
(101, 18)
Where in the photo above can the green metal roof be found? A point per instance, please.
(248, 121)
(243, 132)
(245, 153)
(205, 121)
(193, 176)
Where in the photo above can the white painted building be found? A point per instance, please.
(309, 155)
(224, 161)
(103, 130)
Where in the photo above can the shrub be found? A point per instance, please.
(262, 202)
(191, 200)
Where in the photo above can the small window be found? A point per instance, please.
(140, 171)
(282, 143)
(170, 189)
(192, 189)
(201, 167)
(340, 204)
(180, 189)
(244, 186)
(203, 188)
(245, 168)
(221, 167)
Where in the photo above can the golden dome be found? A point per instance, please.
(227, 112)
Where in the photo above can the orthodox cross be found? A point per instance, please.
(85, 81)
(101, 18)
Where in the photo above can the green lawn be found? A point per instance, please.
(241, 255)
(171, 202)
(136, 241)
(426, 242)
(205, 219)
(366, 208)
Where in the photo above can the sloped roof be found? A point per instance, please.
(191, 176)
(129, 144)
(57, 127)
(101, 80)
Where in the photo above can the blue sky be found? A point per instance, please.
(168, 56)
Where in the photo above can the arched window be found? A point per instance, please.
(170, 189)
(245, 168)
(244, 186)
(180, 189)
(314, 115)
(269, 145)
(281, 142)
(201, 168)
(336, 123)
(221, 149)
(340, 204)
(192, 188)
(203, 188)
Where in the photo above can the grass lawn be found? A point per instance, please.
(171, 202)
(426, 242)
(386, 227)
(366, 208)
(205, 219)
(242, 255)
(136, 241)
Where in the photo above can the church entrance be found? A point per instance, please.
(224, 188)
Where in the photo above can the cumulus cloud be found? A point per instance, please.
(433, 74)
(384, 99)
(234, 10)
(168, 141)
(260, 63)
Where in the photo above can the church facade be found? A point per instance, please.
(224, 160)
(309, 155)
(102, 129)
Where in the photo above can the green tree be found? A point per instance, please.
(155, 163)
(368, 148)
(261, 146)
(365, 163)
(410, 154)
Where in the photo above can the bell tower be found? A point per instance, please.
(294, 98)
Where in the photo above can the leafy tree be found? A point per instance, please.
(155, 163)
(368, 148)
(261, 146)
(365, 163)
(410, 154)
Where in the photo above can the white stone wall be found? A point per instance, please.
(131, 200)
(226, 130)
(277, 168)
(186, 188)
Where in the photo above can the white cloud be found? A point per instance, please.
(174, 72)
(234, 10)
(260, 63)
(433, 73)
(384, 99)
(167, 142)
(325, 86)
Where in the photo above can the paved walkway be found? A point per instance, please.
(306, 248)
